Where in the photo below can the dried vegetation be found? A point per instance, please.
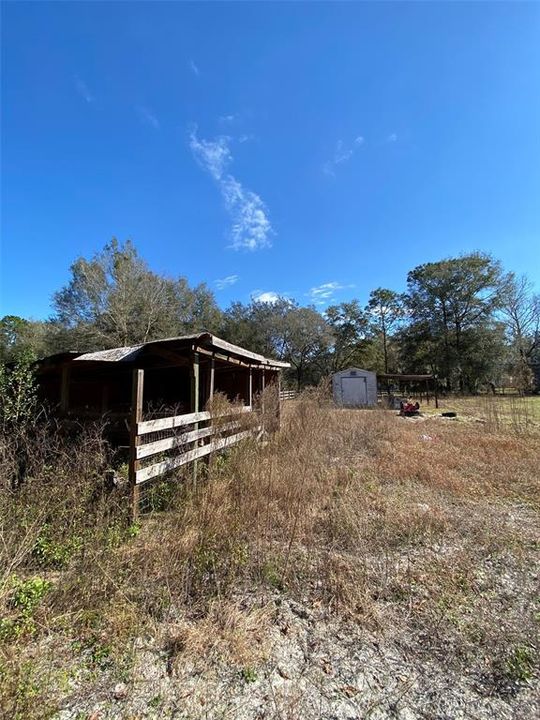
(422, 534)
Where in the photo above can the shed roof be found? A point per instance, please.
(355, 370)
(204, 339)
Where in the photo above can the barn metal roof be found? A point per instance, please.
(121, 354)
(130, 353)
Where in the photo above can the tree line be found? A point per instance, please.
(464, 319)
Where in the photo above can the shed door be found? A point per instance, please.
(354, 391)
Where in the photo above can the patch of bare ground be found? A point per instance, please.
(354, 566)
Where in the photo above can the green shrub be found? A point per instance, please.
(117, 533)
(18, 393)
(55, 553)
(24, 599)
(158, 497)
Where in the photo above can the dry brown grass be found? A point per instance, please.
(425, 531)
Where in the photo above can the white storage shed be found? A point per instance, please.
(355, 388)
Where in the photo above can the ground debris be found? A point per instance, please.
(345, 673)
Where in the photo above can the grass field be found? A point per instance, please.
(504, 410)
(357, 564)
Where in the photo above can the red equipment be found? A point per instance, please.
(409, 408)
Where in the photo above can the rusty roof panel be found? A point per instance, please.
(130, 353)
(122, 354)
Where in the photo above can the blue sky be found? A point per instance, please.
(314, 150)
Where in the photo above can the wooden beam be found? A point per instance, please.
(278, 390)
(263, 379)
(202, 351)
(137, 392)
(232, 360)
(210, 380)
(250, 388)
(195, 384)
(221, 356)
(195, 392)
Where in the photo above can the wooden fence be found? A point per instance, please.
(287, 394)
(186, 440)
(163, 444)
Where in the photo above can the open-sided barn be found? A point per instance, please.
(169, 381)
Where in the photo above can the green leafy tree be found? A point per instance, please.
(114, 299)
(386, 309)
(349, 325)
(19, 337)
(451, 299)
(303, 338)
(255, 325)
(284, 330)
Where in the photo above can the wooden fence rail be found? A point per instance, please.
(186, 457)
(287, 395)
(188, 445)
(169, 423)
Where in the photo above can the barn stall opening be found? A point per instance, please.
(153, 397)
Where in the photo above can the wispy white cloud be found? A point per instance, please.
(251, 227)
(324, 294)
(392, 138)
(228, 119)
(267, 296)
(194, 67)
(147, 117)
(212, 155)
(226, 282)
(82, 88)
(342, 154)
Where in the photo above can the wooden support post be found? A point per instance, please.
(209, 394)
(195, 384)
(211, 379)
(278, 390)
(195, 388)
(64, 389)
(249, 389)
(263, 385)
(137, 390)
